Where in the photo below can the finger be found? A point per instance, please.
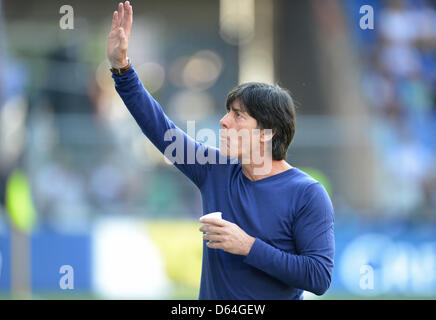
(213, 237)
(214, 221)
(128, 18)
(114, 20)
(123, 38)
(120, 14)
(127, 7)
(214, 245)
(213, 229)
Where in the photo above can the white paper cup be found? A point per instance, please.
(216, 215)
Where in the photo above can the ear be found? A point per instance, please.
(266, 135)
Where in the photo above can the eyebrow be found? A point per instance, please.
(238, 110)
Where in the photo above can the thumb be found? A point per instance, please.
(123, 38)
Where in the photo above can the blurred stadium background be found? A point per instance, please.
(81, 186)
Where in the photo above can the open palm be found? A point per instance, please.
(119, 35)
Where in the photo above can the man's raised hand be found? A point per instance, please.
(119, 35)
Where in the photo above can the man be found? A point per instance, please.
(276, 238)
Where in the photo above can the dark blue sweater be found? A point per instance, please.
(290, 214)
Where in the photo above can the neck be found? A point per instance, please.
(277, 166)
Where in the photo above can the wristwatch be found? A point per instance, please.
(120, 71)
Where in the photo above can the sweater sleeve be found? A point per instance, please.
(311, 268)
(175, 144)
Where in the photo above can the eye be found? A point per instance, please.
(237, 114)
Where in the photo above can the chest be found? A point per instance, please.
(262, 212)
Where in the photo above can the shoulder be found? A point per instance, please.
(304, 181)
(301, 182)
(312, 195)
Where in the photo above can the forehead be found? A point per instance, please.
(236, 105)
(249, 120)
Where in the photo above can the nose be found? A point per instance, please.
(223, 122)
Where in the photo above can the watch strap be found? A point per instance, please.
(120, 71)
